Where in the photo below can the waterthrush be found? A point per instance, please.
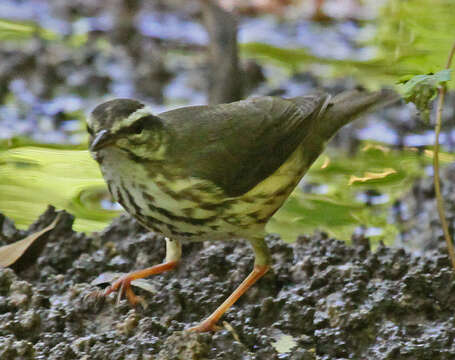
(214, 172)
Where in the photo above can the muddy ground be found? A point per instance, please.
(323, 300)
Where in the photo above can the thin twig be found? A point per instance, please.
(437, 188)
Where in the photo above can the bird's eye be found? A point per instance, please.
(136, 128)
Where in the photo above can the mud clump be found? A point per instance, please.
(323, 300)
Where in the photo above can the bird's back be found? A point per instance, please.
(238, 145)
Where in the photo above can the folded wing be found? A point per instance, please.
(237, 145)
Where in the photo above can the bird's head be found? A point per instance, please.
(127, 125)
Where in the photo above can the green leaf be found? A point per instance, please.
(422, 89)
(14, 30)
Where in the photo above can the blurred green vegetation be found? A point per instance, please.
(32, 177)
(343, 207)
(412, 37)
(23, 30)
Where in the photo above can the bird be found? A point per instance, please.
(214, 172)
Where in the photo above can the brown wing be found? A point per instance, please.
(238, 145)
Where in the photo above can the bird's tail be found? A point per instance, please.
(349, 105)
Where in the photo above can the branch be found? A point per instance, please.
(437, 188)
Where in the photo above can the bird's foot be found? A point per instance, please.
(122, 285)
(205, 326)
(123, 288)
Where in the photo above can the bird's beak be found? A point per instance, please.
(102, 139)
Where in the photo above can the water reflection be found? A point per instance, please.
(33, 177)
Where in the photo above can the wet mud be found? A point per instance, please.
(323, 299)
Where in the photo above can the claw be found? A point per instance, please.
(141, 301)
(133, 299)
(123, 284)
(123, 288)
(120, 292)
